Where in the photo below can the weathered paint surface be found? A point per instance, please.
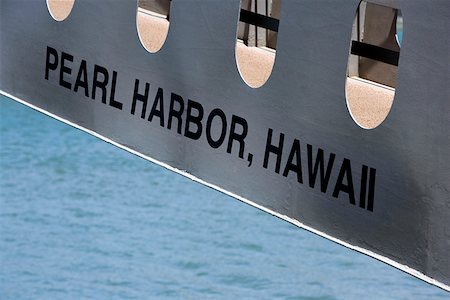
(290, 147)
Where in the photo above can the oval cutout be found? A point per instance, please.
(372, 64)
(256, 40)
(153, 23)
(60, 9)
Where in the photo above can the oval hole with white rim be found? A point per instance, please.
(256, 40)
(372, 64)
(60, 9)
(153, 23)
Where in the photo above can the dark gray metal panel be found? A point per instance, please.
(409, 226)
(379, 30)
(158, 6)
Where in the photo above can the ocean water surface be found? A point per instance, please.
(82, 219)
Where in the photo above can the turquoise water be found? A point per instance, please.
(81, 219)
(399, 29)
